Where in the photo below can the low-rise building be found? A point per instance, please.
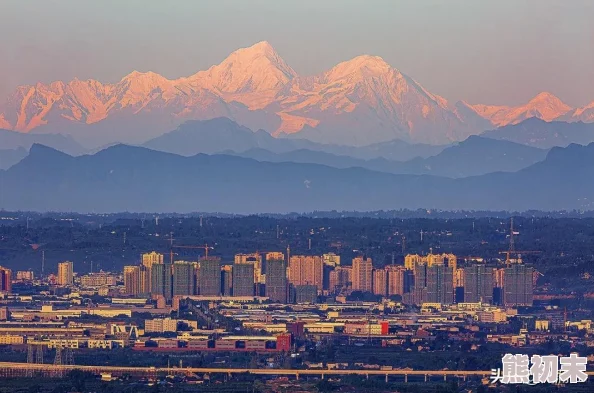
(160, 325)
(104, 344)
(95, 280)
(11, 340)
(64, 343)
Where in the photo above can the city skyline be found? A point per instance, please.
(296, 196)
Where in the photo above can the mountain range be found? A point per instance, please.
(10, 140)
(224, 135)
(136, 179)
(472, 157)
(545, 135)
(508, 149)
(9, 157)
(358, 102)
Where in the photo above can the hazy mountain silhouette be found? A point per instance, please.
(223, 134)
(125, 178)
(542, 134)
(11, 140)
(474, 156)
(9, 157)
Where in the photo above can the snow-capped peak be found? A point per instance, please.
(547, 106)
(148, 77)
(255, 68)
(364, 65)
(548, 99)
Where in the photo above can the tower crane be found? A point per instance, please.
(205, 247)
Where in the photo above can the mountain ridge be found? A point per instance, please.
(222, 134)
(358, 101)
(112, 180)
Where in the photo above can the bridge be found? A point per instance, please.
(8, 369)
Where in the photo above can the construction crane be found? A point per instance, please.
(512, 246)
(205, 247)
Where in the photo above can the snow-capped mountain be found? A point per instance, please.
(544, 106)
(366, 99)
(585, 114)
(360, 101)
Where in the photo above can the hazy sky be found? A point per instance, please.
(493, 52)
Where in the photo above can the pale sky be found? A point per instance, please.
(482, 51)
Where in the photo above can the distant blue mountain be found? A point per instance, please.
(11, 140)
(539, 133)
(223, 134)
(125, 178)
(9, 157)
(472, 157)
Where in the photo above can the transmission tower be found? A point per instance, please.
(69, 357)
(58, 358)
(30, 354)
(39, 355)
(30, 359)
(512, 243)
(58, 361)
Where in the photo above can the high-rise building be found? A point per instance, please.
(331, 259)
(65, 273)
(339, 278)
(478, 284)
(5, 280)
(210, 276)
(440, 284)
(4, 313)
(132, 280)
(380, 282)
(396, 280)
(256, 260)
(305, 294)
(243, 279)
(518, 289)
(276, 277)
(161, 281)
(362, 276)
(459, 278)
(420, 276)
(499, 278)
(411, 260)
(227, 280)
(148, 260)
(151, 258)
(451, 261)
(197, 278)
(25, 275)
(306, 270)
(183, 278)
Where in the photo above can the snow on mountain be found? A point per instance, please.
(137, 89)
(360, 101)
(544, 106)
(585, 114)
(251, 75)
(365, 99)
